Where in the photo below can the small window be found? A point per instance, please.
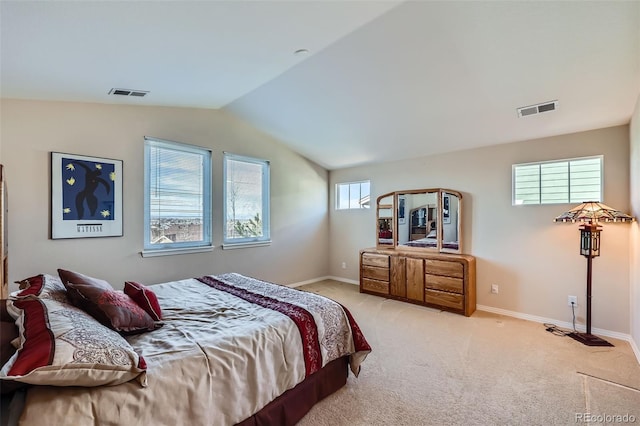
(353, 195)
(177, 197)
(246, 201)
(554, 182)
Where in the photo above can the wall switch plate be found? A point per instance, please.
(495, 288)
(572, 301)
(344, 265)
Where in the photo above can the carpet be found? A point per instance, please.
(430, 367)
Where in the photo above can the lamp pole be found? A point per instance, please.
(589, 262)
(589, 248)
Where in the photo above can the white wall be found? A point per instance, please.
(634, 133)
(535, 261)
(31, 130)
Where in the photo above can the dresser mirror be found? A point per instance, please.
(417, 213)
(451, 221)
(384, 219)
(423, 219)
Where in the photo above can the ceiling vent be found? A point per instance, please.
(537, 109)
(128, 92)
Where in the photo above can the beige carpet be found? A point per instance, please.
(430, 367)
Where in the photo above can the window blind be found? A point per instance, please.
(553, 182)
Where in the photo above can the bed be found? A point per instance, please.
(226, 349)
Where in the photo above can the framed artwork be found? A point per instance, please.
(86, 196)
(402, 217)
(446, 218)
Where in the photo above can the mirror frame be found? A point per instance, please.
(395, 205)
(386, 206)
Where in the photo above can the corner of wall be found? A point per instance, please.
(634, 194)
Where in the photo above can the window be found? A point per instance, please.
(177, 197)
(353, 195)
(246, 201)
(564, 181)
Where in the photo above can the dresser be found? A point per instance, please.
(438, 280)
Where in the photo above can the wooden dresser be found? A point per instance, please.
(438, 280)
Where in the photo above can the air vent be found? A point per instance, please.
(128, 92)
(537, 109)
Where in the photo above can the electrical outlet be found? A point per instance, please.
(572, 301)
(344, 265)
(495, 288)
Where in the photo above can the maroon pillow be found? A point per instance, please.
(111, 308)
(145, 298)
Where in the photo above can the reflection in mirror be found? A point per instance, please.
(417, 222)
(385, 231)
(450, 222)
(385, 221)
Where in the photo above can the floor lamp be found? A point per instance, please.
(590, 213)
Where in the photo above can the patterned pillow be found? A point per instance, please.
(38, 286)
(112, 308)
(42, 285)
(60, 345)
(145, 298)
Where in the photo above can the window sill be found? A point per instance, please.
(232, 246)
(171, 252)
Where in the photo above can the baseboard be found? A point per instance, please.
(636, 350)
(328, 277)
(563, 324)
(344, 280)
(311, 281)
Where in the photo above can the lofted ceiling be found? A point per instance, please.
(383, 80)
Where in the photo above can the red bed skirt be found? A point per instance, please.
(290, 407)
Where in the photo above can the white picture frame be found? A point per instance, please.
(86, 196)
(402, 213)
(446, 214)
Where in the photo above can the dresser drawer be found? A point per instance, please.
(376, 286)
(372, 259)
(451, 300)
(443, 267)
(381, 274)
(439, 282)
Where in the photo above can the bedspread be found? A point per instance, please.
(230, 345)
